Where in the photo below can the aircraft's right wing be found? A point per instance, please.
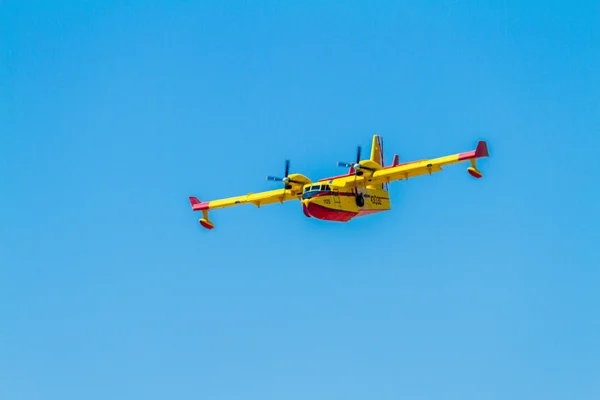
(258, 199)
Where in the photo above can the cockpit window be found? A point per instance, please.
(315, 188)
(325, 188)
(306, 189)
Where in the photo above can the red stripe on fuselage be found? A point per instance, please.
(331, 194)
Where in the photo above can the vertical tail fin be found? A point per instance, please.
(377, 154)
(377, 150)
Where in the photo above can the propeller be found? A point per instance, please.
(286, 180)
(355, 165)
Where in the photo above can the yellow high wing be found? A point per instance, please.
(374, 174)
(292, 191)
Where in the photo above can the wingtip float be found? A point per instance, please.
(363, 190)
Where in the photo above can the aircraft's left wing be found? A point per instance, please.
(417, 168)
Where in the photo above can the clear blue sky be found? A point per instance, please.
(111, 115)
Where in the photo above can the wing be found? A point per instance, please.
(258, 199)
(417, 168)
(292, 191)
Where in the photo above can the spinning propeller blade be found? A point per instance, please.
(355, 165)
(351, 165)
(285, 178)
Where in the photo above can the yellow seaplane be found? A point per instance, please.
(361, 191)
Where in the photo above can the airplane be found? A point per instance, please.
(363, 190)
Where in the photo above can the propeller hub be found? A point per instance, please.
(356, 166)
(286, 180)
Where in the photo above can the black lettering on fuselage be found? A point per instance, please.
(376, 200)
